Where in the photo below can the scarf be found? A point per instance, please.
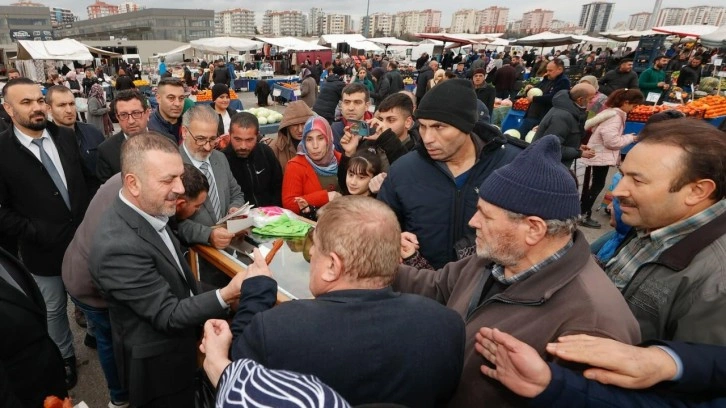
(328, 165)
(97, 92)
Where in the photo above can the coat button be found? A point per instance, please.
(55, 193)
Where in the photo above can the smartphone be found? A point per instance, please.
(360, 128)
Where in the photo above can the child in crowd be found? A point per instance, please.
(358, 172)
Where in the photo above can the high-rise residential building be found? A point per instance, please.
(337, 24)
(536, 21)
(514, 26)
(283, 23)
(129, 6)
(60, 17)
(425, 21)
(315, 21)
(492, 20)
(639, 21)
(234, 22)
(595, 17)
(670, 16)
(101, 9)
(381, 25)
(464, 21)
(700, 15)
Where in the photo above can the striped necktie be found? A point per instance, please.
(213, 195)
(52, 172)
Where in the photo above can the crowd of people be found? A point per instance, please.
(446, 261)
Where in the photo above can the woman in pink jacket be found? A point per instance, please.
(606, 141)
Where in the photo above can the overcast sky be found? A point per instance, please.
(564, 10)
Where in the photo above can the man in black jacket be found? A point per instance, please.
(554, 81)
(392, 81)
(621, 77)
(133, 116)
(425, 74)
(221, 74)
(62, 106)
(690, 75)
(330, 94)
(31, 368)
(369, 343)
(44, 217)
(253, 164)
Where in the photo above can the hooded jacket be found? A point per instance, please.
(541, 104)
(565, 120)
(282, 146)
(329, 96)
(423, 193)
(425, 74)
(607, 137)
(308, 88)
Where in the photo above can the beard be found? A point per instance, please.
(30, 123)
(503, 252)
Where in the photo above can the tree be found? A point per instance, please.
(257, 32)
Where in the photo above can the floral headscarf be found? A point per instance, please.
(328, 165)
(97, 92)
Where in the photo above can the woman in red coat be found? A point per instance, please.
(311, 177)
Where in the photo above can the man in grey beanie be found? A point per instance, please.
(532, 275)
(432, 188)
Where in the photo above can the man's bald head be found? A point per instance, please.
(582, 94)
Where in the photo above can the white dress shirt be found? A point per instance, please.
(49, 147)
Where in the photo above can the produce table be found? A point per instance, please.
(409, 87)
(286, 93)
(513, 120)
(269, 129)
(235, 104)
(252, 83)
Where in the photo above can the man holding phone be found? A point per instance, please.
(354, 108)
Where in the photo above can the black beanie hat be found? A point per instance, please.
(218, 90)
(452, 102)
(534, 183)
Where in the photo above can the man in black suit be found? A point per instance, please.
(62, 108)
(44, 192)
(31, 368)
(366, 341)
(132, 112)
(155, 306)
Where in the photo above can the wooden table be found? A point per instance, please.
(289, 267)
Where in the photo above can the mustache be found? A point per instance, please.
(627, 202)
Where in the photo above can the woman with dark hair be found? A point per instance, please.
(606, 141)
(123, 81)
(220, 104)
(262, 92)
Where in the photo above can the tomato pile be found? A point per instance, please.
(206, 95)
(522, 104)
(642, 113)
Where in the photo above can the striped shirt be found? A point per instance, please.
(647, 247)
(498, 270)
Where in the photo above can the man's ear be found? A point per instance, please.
(334, 268)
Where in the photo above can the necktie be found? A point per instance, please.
(213, 195)
(52, 171)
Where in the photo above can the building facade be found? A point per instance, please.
(60, 17)
(670, 16)
(315, 21)
(424, 21)
(150, 24)
(337, 24)
(492, 20)
(464, 21)
(234, 23)
(638, 21)
(24, 23)
(536, 21)
(381, 25)
(129, 6)
(283, 23)
(700, 15)
(595, 17)
(101, 9)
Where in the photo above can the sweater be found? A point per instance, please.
(300, 180)
(649, 79)
(615, 79)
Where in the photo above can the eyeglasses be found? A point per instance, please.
(201, 141)
(125, 116)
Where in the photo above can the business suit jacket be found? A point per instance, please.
(154, 319)
(198, 227)
(31, 367)
(109, 157)
(31, 207)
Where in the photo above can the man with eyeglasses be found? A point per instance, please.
(199, 134)
(167, 118)
(133, 117)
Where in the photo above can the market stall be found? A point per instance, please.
(715, 39)
(299, 50)
(546, 39)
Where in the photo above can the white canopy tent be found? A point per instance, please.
(547, 39)
(187, 49)
(222, 45)
(391, 41)
(716, 39)
(687, 30)
(627, 36)
(291, 44)
(591, 40)
(332, 40)
(65, 49)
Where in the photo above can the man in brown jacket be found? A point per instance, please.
(289, 132)
(533, 275)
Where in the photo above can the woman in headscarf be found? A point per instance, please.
(97, 110)
(308, 88)
(311, 178)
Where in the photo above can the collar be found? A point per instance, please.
(358, 295)
(164, 121)
(661, 236)
(26, 140)
(194, 161)
(158, 223)
(498, 270)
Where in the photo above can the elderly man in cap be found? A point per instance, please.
(532, 275)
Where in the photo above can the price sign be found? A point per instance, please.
(296, 92)
(717, 61)
(653, 97)
(276, 92)
(722, 74)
